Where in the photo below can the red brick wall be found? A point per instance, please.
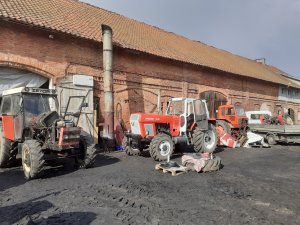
(137, 77)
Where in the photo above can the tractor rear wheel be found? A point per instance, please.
(161, 147)
(7, 152)
(205, 141)
(32, 159)
(87, 154)
(128, 149)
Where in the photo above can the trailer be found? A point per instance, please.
(273, 134)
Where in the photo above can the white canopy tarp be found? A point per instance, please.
(13, 78)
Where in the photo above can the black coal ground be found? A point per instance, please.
(255, 186)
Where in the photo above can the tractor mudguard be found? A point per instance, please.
(8, 127)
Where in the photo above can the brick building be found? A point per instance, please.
(58, 38)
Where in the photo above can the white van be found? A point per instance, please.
(254, 116)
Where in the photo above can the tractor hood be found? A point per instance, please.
(145, 124)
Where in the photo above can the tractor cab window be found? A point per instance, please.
(175, 108)
(35, 104)
(6, 105)
(190, 109)
(230, 111)
(11, 105)
(240, 111)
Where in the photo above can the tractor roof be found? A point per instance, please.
(183, 99)
(29, 90)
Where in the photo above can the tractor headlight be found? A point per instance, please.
(66, 137)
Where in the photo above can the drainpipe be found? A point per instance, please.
(108, 129)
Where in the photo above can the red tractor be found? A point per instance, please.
(186, 120)
(30, 125)
(233, 120)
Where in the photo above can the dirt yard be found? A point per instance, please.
(255, 186)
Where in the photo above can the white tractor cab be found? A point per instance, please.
(254, 116)
(31, 125)
(188, 110)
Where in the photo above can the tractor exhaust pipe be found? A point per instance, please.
(108, 129)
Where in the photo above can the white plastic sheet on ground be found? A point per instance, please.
(254, 139)
(13, 78)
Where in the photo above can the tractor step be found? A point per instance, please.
(174, 171)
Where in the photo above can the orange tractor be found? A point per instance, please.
(233, 120)
(186, 121)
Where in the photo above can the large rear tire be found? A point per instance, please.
(128, 149)
(87, 154)
(32, 159)
(161, 147)
(7, 152)
(205, 141)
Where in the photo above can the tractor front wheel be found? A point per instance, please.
(32, 159)
(128, 149)
(205, 141)
(161, 147)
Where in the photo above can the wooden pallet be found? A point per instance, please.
(173, 170)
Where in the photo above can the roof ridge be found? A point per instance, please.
(166, 31)
(84, 20)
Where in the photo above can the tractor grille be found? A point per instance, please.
(69, 136)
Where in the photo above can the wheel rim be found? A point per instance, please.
(271, 139)
(165, 148)
(26, 160)
(209, 139)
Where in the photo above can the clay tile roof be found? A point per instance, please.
(84, 20)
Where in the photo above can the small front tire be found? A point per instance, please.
(271, 139)
(32, 159)
(161, 147)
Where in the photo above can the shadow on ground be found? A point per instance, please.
(74, 218)
(30, 213)
(10, 178)
(68, 166)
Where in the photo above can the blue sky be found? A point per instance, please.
(255, 28)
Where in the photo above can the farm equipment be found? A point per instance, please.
(30, 125)
(186, 121)
(232, 120)
(274, 129)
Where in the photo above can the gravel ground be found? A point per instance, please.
(255, 186)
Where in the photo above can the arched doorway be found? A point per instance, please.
(291, 113)
(214, 100)
(13, 78)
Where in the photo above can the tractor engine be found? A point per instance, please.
(56, 133)
(150, 124)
